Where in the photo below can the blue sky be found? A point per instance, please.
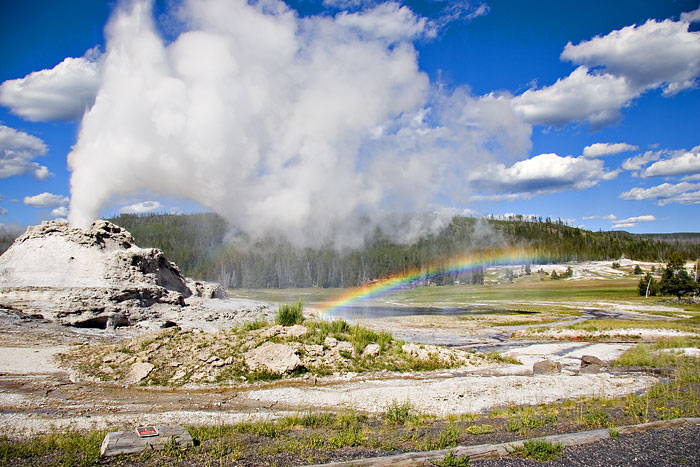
(284, 116)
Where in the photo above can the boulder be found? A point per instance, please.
(344, 347)
(591, 364)
(272, 358)
(546, 367)
(297, 330)
(587, 360)
(206, 289)
(371, 350)
(138, 372)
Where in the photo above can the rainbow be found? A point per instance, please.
(462, 264)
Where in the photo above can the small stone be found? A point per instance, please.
(546, 367)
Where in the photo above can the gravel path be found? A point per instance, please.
(678, 445)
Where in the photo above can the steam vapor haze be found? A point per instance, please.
(310, 127)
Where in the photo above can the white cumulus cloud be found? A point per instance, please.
(613, 70)
(632, 221)
(637, 162)
(60, 211)
(388, 21)
(46, 200)
(545, 173)
(680, 163)
(141, 208)
(580, 96)
(17, 149)
(607, 149)
(610, 217)
(62, 93)
(655, 54)
(665, 190)
(691, 16)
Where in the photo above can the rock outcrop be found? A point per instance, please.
(95, 277)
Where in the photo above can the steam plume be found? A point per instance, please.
(283, 124)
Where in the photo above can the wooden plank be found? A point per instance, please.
(129, 442)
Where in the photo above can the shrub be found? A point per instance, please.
(289, 315)
(399, 414)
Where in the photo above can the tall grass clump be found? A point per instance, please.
(289, 315)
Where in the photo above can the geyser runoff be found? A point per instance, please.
(281, 123)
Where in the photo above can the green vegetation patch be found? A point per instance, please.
(539, 449)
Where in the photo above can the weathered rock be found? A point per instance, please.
(206, 289)
(344, 347)
(273, 358)
(416, 350)
(587, 360)
(546, 367)
(95, 277)
(313, 350)
(371, 350)
(138, 372)
(330, 342)
(272, 331)
(591, 369)
(297, 330)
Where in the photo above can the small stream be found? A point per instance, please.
(490, 340)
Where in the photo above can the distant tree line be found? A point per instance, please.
(206, 248)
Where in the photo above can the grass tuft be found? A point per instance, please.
(450, 460)
(539, 449)
(289, 315)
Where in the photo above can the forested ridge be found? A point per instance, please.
(204, 247)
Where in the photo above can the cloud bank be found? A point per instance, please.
(61, 93)
(17, 149)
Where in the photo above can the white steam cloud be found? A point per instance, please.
(302, 126)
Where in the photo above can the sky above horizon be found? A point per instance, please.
(280, 116)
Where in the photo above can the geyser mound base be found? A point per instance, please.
(94, 278)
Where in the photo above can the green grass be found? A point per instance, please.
(651, 355)
(450, 460)
(64, 448)
(289, 315)
(539, 450)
